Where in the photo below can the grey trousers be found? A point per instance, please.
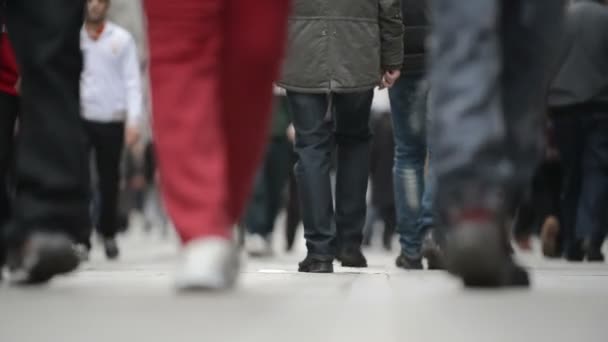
(490, 67)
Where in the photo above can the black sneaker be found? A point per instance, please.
(432, 252)
(43, 256)
(575, 251)
(111, 248)
(352, 257)
(476, 253)
(595, 255)
(315, 265)
(408, 263)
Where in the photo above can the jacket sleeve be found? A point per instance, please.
(132, 77)
(391, 33)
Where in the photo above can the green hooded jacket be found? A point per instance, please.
(342, 45)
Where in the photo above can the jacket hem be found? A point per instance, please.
(322, 90)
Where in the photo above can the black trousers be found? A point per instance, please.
(583, 143)
(106, 142)
(543, 199)
(9, 107)
(316, 137)
(51, 174)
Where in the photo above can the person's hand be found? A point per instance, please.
(18, 86)
(389, 78)
(131, 136)
(291, 134)
(137, 182)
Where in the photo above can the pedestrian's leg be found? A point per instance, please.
(9, 105)
(389, 216)
(473, 162)
(255, 217)
(278, 173)
(314, 144)
(185, 75)
(190, 139)
(268, 193)
(293, 206)
(353, 141)
(527, 71)
(254, 38)
(51, 166)
(591, 219)
(409, 128)
(568, 131)
(108, 145)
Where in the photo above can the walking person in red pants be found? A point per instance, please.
(212, 67)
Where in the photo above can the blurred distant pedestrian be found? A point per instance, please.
(111, 108)
(212, 64)
(579, 104)
(330, 73)
(269, 185)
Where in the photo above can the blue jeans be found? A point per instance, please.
(414, 203)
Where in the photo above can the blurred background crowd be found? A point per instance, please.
(352, 165)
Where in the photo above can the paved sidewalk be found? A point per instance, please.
(133, 301)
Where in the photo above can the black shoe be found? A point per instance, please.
(111, 248)
(352, 257)
(43, 256)
(575, 251)
(476, 253)
(315, 265)
(407, 263)
(595, 255)
(432, 252)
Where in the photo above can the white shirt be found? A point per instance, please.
(110, 84)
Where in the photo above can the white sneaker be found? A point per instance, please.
(208, 264)
(257, 246)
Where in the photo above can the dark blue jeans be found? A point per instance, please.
(583, 144)
(413, 199)
(346, 130)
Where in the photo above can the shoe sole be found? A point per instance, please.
(353, 265)
(55, 258)
(476, 254)
(321, 270)
(548, 237)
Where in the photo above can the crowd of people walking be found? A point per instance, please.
(477, 123)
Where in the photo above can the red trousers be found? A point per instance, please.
(212, 64)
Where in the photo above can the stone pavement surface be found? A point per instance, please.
(132, 300)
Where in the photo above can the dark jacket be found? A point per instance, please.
(342, 45)
(582, 78)
(417, 27)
